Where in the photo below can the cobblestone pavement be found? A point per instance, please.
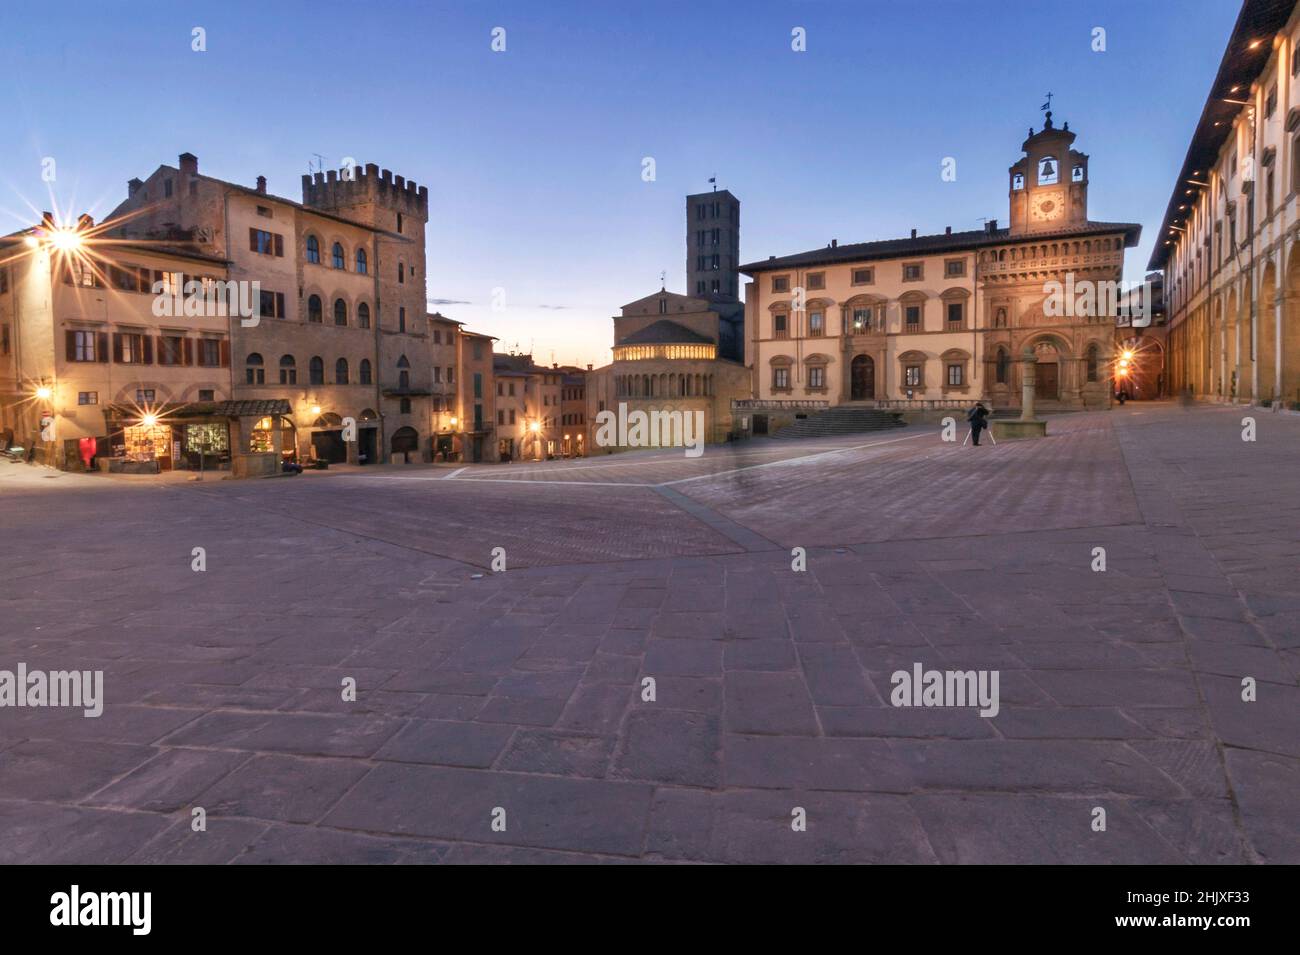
(521, 692)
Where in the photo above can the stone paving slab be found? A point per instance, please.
(527, 691)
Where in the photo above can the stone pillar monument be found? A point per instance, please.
(1026, 426)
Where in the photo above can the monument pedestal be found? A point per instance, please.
(1010, 429)
(1026, 426)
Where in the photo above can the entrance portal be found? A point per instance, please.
(863, 373)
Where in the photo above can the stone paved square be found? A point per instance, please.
(520, 695)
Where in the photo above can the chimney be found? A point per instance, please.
(261, 184)
(588, 366)
(834, 243)
(133, 186)
(189, 164)
(947, 230)
(991, 226)
(913, 233)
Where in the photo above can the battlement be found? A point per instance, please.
(338, 189)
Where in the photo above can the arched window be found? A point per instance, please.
(315, 310)
(340, 312)
(254, 373)
(316, 369)
(341, 372)
(363, 315)
(313, 249)
(1048, 171)
(363, 372)
(339, 260)
(401, 272)
(1003, 366)
(362, 262)
(288, 370)
(1092, 360)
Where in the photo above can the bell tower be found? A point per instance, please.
(1049, 185)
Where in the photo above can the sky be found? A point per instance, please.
(534, 155)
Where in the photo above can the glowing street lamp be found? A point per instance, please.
(535, 427)
(149, 420)
(454, 421)
(45, 392)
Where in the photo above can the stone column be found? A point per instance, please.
(1029, 364)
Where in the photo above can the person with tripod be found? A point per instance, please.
(978, 418)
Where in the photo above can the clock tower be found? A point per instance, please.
(1049, 185)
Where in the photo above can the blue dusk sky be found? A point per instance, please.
(533, 156)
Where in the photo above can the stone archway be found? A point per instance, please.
(1055, 377)
(1266, 334)
(1290, 345)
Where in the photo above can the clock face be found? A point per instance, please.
(1047, 206)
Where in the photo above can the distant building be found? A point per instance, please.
(528, 407)
(713, 245)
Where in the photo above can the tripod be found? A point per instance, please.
(991, 438)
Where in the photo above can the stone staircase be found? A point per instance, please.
(841, 419)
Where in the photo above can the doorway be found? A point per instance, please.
(1047, 382)
(863, 374)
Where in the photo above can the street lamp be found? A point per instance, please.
(45, 392)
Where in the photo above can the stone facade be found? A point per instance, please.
(1230, 242)
(942, 320)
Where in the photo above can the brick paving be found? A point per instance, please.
(521, 692)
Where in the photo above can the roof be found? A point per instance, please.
(934, 244)
(219, 409)
(666, 332)
(1240, 66)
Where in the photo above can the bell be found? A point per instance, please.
(1048, 169)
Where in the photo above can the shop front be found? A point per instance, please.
(171, 437)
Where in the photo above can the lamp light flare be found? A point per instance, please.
(45, 392)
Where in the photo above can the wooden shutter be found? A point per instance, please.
(117, 348)
(225, 353)
(147, 341)
(101, 346)
(162, 350)
(252, 240)
(189, 351)
(279, 245)
(279, 305)
(70, 345)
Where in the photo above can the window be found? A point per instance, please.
(451, 374)
(1270, 101)
(404, 380)
(437, 375)
(501, 417)
(780, 283)
(316, 370)
(315, 310)
(265, 243)
(478, 351)
(1018, 181)
(83, 346)
(1048, 172)
(270, 304)
(167, 188)
(956, 374)
(512, 415)
(399, 222)
(912, 314)
(209, 353)
(913, 272)
(912, 376)
(363, 372)
(1077, 173)
(861, 319)
(171, 350)
(816, 324)
(363, 315)
(254, 373)
(663, 306)
(954, 268)
(337, 255)
(313, 249)
(780, 378)
(264, 212)
(956, 313)
(362, 262)
(288, 370)
(4, 339)
(144, 396)
(133, 349)
(340, 312)
(341, 372)
(1092, 361)
(401, 272)
(816, 280)
(779, 326)
(404, 406)
(401, 319)
(478, 385)
(816, 376)
(87, 397)
(1003, 366)
(864, 276)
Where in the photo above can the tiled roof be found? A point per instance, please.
(931, 244)
(252, 407)
(665, 332)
